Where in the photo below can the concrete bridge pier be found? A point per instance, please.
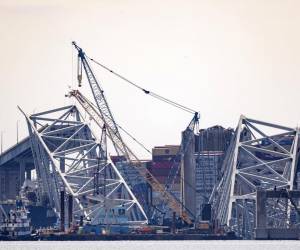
(28, 174)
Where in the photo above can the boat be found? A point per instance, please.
(16, 223)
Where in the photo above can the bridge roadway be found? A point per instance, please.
(16, 164)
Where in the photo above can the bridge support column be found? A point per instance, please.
(28, 174)
(22, 165)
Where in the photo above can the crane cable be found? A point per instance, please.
(144, 147)
(182, 107)
(148, 92)
(127, 133)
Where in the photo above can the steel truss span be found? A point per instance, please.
(68, 156)
(262, 156)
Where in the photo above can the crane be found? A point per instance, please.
(102, 116)
(176, 164)
(182, 149)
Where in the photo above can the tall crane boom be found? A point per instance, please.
(101, 102)
(132, 158)
(103, 116)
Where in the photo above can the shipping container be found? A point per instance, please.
(162, 165)
(165, 150)
(164, 158)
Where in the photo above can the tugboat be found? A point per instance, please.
(16, 224)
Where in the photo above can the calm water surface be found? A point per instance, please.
(152, 245)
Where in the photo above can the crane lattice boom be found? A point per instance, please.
(102, 115)
(130, 156)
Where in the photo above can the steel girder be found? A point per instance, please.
(261, 156)
(69, 157)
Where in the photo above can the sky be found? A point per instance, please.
(222, 58)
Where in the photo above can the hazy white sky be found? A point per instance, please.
(223, 58)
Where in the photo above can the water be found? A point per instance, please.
(151, 245)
